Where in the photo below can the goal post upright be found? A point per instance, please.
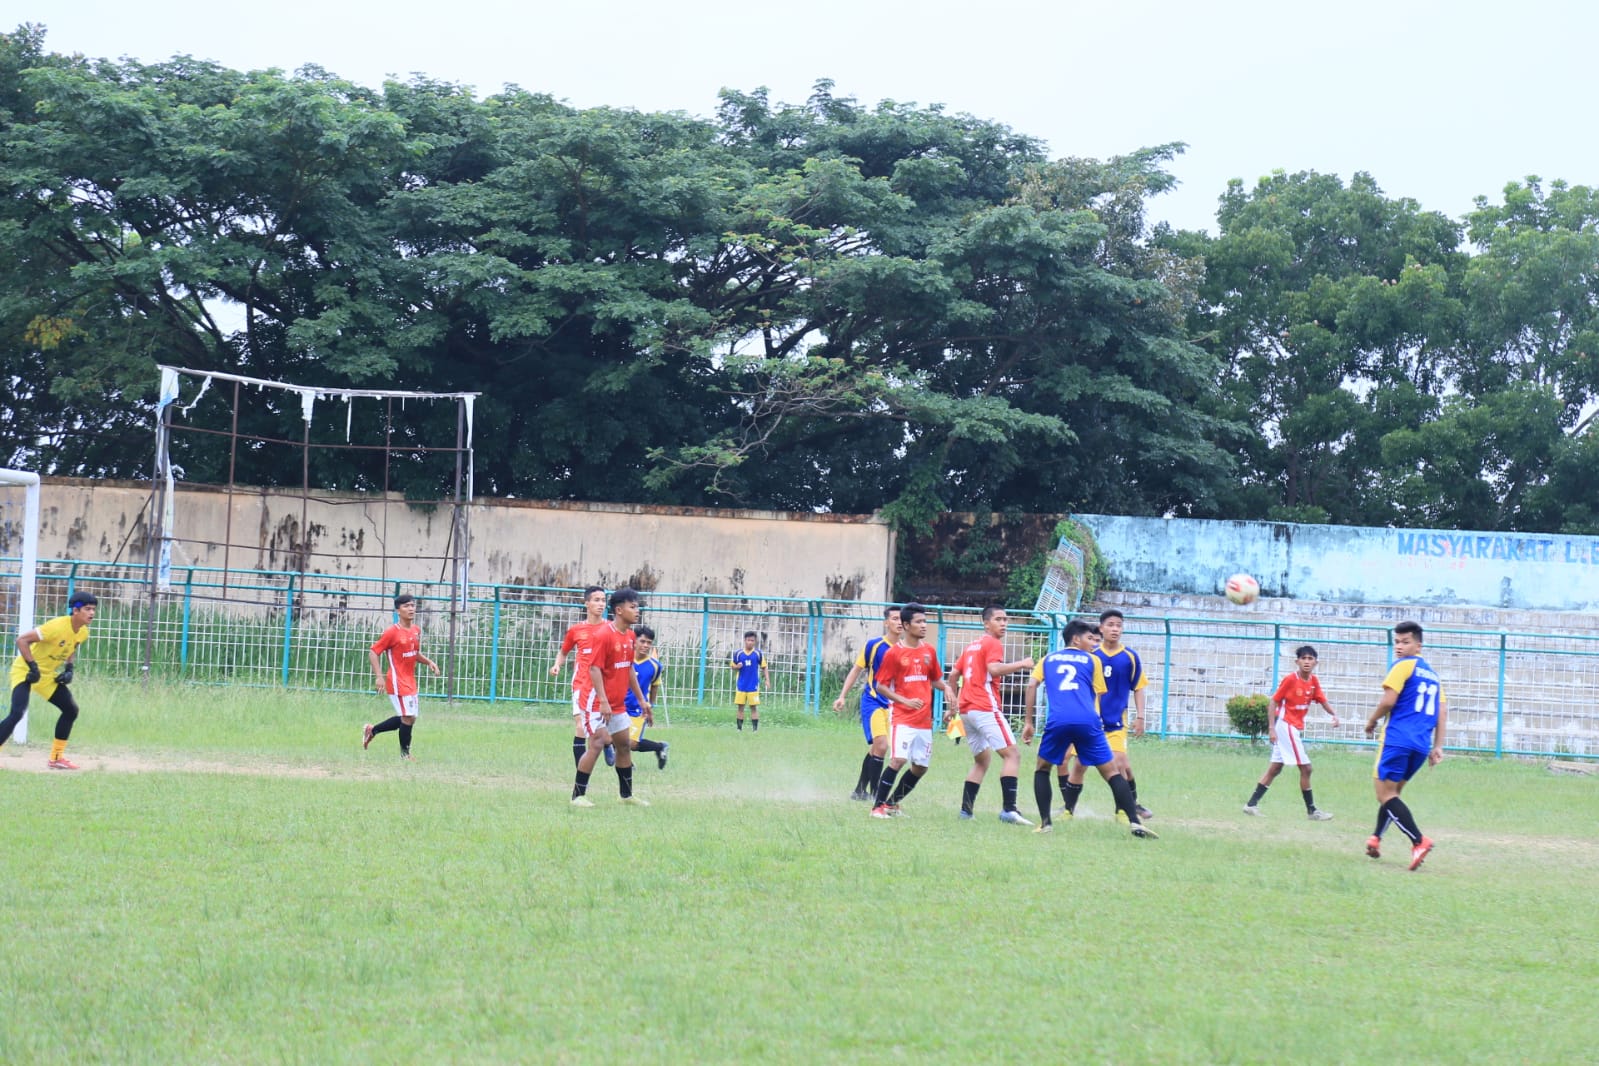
(28, 576)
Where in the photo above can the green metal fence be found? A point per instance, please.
(1509, 693)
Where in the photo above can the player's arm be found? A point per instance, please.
(376, 658)
(560, 661)
(766, 675)
(1328, 707)
(1029, 702)
(431, 665)
(1390, 696)
(1437, 753)
(597, 680)
(849, 683)
(1138, 712)
(25, 645)
(1006, 669)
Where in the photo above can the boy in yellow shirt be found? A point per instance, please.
(44, 665)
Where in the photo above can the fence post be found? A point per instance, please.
(494, 651)
(1276, 650)
(938, 693)
(183, 644)
(1499, 711)
(705, 642)
(72, 580)
(1165, 680)
(288, 627)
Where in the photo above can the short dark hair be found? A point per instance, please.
(988, 612)
(621, 596)
(402, 599)
(645, 631)
(748, 633)
(1413, 628)
(82, 599)
(1111, 612)
(1304, 650)
(590, 590)
(1074, 629)
(891, 609)
(1093, 627)
(911, 610)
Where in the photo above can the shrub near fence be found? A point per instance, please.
(1509, 693)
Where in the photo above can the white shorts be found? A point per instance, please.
(581, 702)
(602, 718)
(404, 706)
(915, 746)
(1288, 745)
(987, 731)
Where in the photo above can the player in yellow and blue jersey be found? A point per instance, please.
(1073, 682)
(648, 669)
(44, 665)
(1417, 711)
(750, 665)
(1124, 688)
(874, 705)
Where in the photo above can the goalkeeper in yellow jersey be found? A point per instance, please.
(44, 665)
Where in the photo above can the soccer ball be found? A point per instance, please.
(1241, 588)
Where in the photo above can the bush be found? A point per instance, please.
(1248, 714)
(1026, 581)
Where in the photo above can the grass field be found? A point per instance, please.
(231, 879)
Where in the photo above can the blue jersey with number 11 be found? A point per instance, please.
(1072, 682)
(1415, 715)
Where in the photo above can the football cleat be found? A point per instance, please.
(64, 763)
(582, 801)
(860, 794)
(635, 801)
(1374, 847)
(1250, 808)
(660, 756)
(1419, 852)
(610, 755)
(1143, 811)
(366, 735)
(1045, 828)
(1121, 816)
(1013, 818)
(1143, 832)
(881, 811)
(1319, 815)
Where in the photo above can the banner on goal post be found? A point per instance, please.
(1063, 580)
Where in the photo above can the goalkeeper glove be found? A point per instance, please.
(65, 675)
(33, 673)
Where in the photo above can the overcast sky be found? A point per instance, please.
(1439, 101)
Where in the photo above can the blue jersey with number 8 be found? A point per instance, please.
(1415, 714)
(1072, 682)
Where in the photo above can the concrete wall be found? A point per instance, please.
(724, 552)
(1348, 564)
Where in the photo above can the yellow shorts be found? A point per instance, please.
(1117, 741)
(45, 686)
(635, 728)
(880, 723)
(746, 699)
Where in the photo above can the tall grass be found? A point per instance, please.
(231, 879)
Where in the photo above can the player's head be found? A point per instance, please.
(995, 620)
(402, 599)
(594, 600)
(643, 642)
(625, 605)
(1305, 651)
(1407, 639)
(749, 638)
(1078, 634)
(1111, 622)
(891, 623)
(913, 616)
(82, 605)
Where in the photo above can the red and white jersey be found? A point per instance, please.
(612, 652)
(400, 647)
(577, 638)
(979, 692)
(1296, 695)
(910, 672)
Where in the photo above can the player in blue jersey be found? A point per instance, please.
(750, 665)
(1124, 686)
(1073, 682)
(648, 669)
(874, 705)
(1416, 710)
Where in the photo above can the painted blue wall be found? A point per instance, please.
(1352, 564)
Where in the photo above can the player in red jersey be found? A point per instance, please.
(1286, 725)
(909, 673)
(400, 648)
(576, 641)
(977, 673)
(602, 696)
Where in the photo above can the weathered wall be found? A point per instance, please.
(512, 541)
(1348, 564)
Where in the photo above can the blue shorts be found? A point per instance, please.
(1089, 740)
(873, 713)
(1399, 764)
